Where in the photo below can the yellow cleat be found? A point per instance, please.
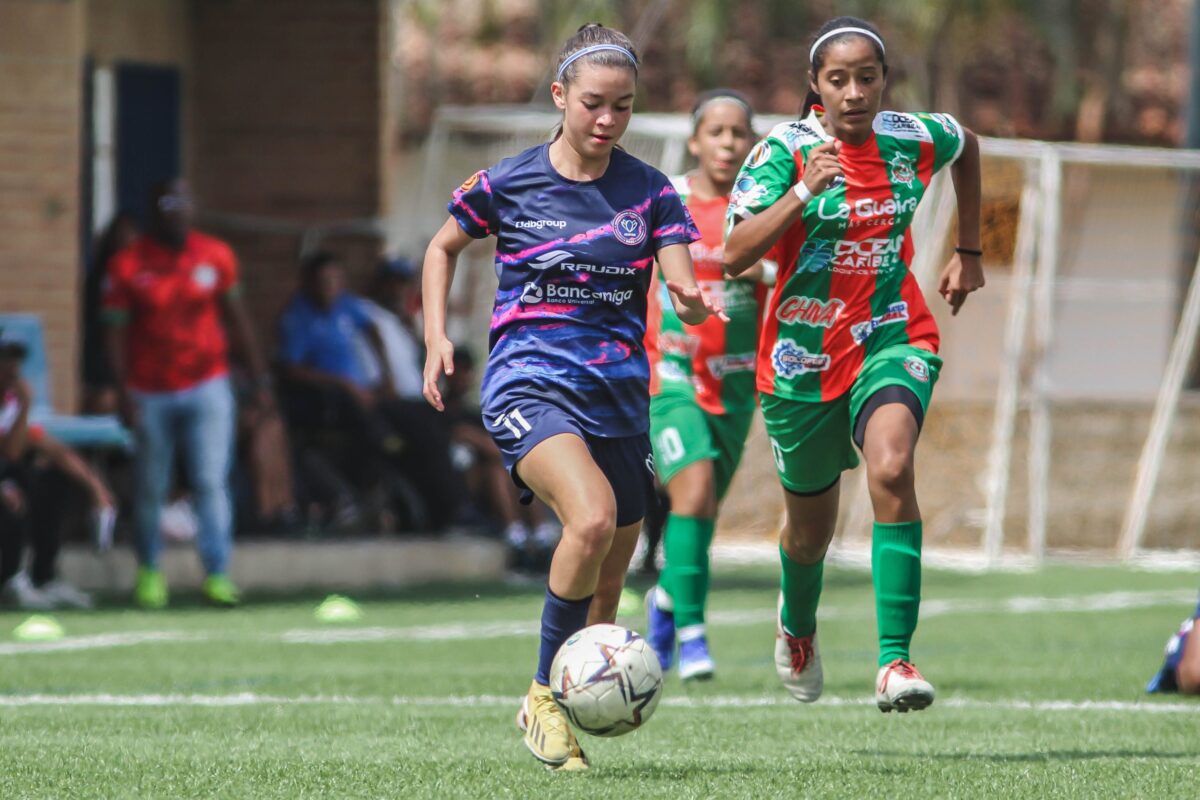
(576, 760)
(547, 734)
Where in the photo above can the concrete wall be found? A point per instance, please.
(41, 50)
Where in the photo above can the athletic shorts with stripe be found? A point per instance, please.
(813, 443)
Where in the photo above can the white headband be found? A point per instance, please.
(812, 54)
(596, 48)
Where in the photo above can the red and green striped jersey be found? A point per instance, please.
(711, 363)
(844, 289)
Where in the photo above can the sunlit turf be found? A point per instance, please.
(407, 715)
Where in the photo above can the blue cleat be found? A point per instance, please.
(695, 663)
(660, 630)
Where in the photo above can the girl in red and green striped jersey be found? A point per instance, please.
(848, 349)
(701, 386)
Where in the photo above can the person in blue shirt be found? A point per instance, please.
(327, 386)
(579, 224)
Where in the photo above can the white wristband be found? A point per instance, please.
(802, 191)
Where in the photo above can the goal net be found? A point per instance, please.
(1061, 426)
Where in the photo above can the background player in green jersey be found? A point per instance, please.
(701, 386)
(848, 350)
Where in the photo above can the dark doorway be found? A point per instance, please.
(148, 132)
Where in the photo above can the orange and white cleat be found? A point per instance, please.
(900, 687)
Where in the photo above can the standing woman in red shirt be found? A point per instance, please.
(170, 300)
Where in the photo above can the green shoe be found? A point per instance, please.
(220, 591)
(151, 589)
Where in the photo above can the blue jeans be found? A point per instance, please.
(201, 420)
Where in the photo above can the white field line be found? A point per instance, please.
(97, 642)
(500, 701)
(1088, 603)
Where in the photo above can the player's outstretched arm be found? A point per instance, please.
(692, 305)
(963, 274)
(751, 238)
(436, 275)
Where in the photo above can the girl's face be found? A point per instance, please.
(596, 108)
(722, 141)
(851, 84)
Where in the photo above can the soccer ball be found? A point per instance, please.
(606, 679)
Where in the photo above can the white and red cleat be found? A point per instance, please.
(900, 687)
(798, 662)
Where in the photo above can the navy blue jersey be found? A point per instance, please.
(574, 260)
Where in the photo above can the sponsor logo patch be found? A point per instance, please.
(532, 294)
(902, 126)
(896, 312)
(538, 224)
(810, 311)
(720, 366)
(791, 359)
(672, 343)
(559, 258)
(629, 227)
(573, 294)
(760, 155)
(918, 368)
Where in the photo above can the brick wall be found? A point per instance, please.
(287, 106)
(41, 46)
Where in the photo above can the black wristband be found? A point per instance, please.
(966, 251)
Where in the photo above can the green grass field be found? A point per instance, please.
(1039, 677)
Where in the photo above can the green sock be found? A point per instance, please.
(896, 573)
(801, 586)
(685, 546)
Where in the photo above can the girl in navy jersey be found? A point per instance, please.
(579, 224)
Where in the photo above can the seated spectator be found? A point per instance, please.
(327, 387)
(530, 536)
(1181, 664)
(395, 296)
(40, 483)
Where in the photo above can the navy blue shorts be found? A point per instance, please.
(626, 461)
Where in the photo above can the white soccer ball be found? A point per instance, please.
(606, 679)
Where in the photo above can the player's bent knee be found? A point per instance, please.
(592, 531)
(892, 471)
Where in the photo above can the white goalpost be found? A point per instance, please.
(1052, 372)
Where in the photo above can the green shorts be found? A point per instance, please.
(682, 433)
(812, 442)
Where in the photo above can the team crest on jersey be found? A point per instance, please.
(469, 183)
(791, 359)
(918, 368)
(629, 227)
(205, 276)
(760, 155)
(902, 170)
